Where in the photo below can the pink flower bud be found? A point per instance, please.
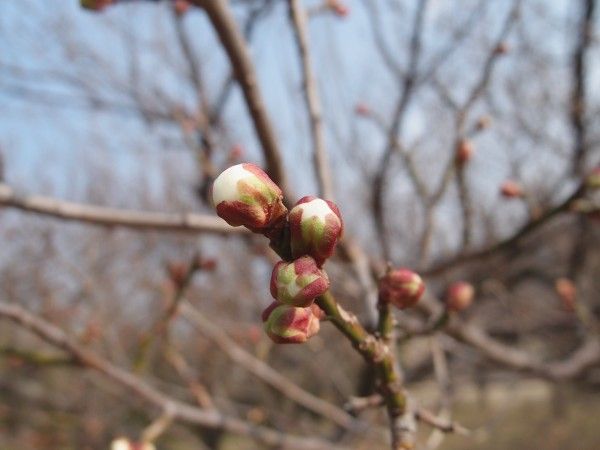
(299, 282)
(567, 292)
(511, 189)
(244, 195)
(181, 7)
(96, 5)
(459, 296)
(315, 227)
(338, 8)
(592, 181)
(286, 324)
(401, 287)
(362, 109)
(126, 444)
(464, 151)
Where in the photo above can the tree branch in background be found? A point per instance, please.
(299, 20)
(103, 216)
(177, 410)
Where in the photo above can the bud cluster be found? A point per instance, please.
(244, 195)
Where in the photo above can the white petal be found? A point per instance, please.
(225, 186)
(317, 207)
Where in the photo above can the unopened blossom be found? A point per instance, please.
(338, 7)
(362, 109)
(315, 227)
(126, 444)
(245, 195)
(464, 151)
(459, 296)
(299, 282)
(567, 292)
(181, 6)
(286, 324)
(401, 287)
(511, 189)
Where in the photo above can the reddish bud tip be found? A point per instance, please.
(181, 7)
(502, 48)
(459, 296)
(567, 292)
(362, 109)
(464, 151)
(401, 287)
(511, 189)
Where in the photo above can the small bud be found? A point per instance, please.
(235, 153)
(567, 292)
(244, 195)
(483, 122)
(401, 287)
(502, 48)
(95, 5)
(464, 151)
(126, 444)
(181, 7)
(315, 227)
(459, 296)
(286, 324)
(338, 8)
(592, 181)
(511, 189)
(299, 282)
(362, 109)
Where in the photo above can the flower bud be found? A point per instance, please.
(181, 7)
(95, 5)
(502, 48)
(592, 181)
(464, 151)
(244, 195)
(286, 324)
(511, 189)
(401, 287)
(315, 227)
(459, 296)
(299, 282)
(483, 122)
(362, 109)
(567, 292)
(126, 444)
(338, 8)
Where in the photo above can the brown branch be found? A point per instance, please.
(223, 21)
(105, 216)
(180, 411)
(299, 21)
(264, 372)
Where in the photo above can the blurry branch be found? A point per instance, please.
(249, 27)
(578, 95)
(36, 358)
(377, 30)
(223, 21)
(505, 244)
(264, 372)
(395, 130)
(299, 20)
(104, 216)
(443, 425)
(177, 410)
(587, 355)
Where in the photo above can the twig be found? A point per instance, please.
(299, 21)
(104, 216)
(264, 372)
(181, 411)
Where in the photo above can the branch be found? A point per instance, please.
(221, 17)
(264, 372)
(104, 216)
(178, 410)
(299, 21)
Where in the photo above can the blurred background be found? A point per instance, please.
(428, 109)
